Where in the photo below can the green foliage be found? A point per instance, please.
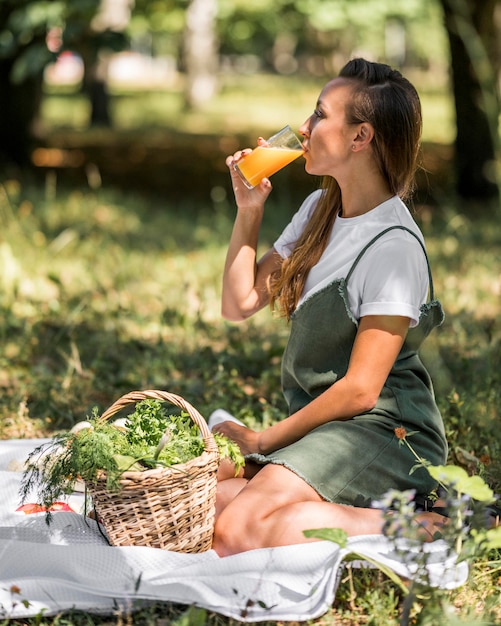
(104, 292)
(148, 423)
(243, 27)
(336, 535)
(151, 438)
(464, 534)
(24, 25)
(252, 28)
(193, 616)
(473, 486)
(169, 440)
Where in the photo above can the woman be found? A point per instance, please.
(351, 274)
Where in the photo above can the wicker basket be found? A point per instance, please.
(170, 507)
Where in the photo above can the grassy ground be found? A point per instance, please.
(104, 291)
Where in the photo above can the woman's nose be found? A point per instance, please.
(304, 129)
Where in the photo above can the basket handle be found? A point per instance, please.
(154, 394)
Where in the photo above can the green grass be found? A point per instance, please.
(104, 292)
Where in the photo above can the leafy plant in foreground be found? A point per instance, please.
(466, 501)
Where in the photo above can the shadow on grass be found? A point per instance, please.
(72, 369)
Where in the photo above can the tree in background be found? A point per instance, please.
(313, 37)
(185, 30)
(95, 39)
(32, 34)
(475, 66)
(23, 56)
(317, 37)
(200, 52)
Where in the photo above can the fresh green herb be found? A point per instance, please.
(152, 438)
(228, 449)
(149, 423)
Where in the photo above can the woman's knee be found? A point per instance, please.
(248, 521)
(233, 533)
(227, 490)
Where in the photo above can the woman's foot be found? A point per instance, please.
(439, 507)
(494, 513)
(432, 524)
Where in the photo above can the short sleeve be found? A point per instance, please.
(395, 278)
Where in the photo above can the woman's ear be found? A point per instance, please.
(365, 133)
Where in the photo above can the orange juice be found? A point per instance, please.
(265, 161)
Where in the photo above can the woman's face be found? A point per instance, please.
(328, 138)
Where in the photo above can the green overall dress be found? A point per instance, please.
(357, 460)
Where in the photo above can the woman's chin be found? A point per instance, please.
(308, 169)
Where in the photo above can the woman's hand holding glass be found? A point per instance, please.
(245, 197)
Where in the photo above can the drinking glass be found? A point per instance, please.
(265, 160)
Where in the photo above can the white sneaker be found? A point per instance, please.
(220, 415)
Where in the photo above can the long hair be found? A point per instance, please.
(382, 97)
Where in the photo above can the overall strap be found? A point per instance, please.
(364, 250)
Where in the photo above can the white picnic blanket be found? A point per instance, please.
(68, 565)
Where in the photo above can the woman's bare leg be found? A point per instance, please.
(227, 491)
(276, 506)
(229, 485)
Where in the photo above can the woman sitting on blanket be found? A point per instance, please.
(350, 273)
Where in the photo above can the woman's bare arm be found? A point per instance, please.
(245, 279)
(378, 342)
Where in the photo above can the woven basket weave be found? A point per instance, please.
(171, 508)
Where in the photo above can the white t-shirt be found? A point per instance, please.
(392, 276)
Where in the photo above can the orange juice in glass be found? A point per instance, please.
(263, 161)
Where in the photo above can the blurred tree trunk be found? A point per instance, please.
(94, 84)
(200, 52)
(474, 47)
(19, 106)
(19, 99)
(103, 37)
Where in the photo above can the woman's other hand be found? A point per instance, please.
(247, 439)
